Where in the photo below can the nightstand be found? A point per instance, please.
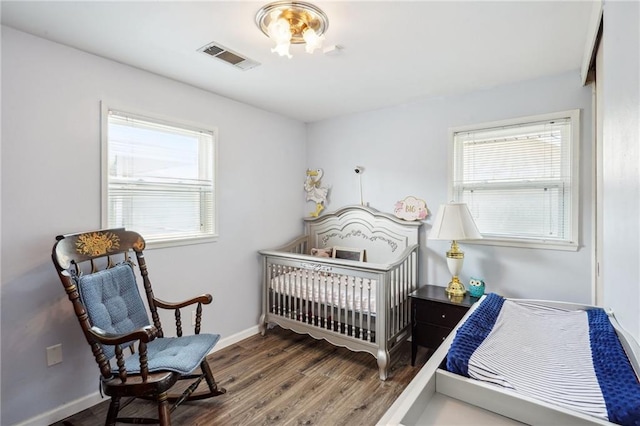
(433, 316)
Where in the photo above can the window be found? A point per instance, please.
(159, 178)
(520, 179)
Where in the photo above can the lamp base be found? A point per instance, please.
(455, 288)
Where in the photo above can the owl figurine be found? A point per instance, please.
(476, 287)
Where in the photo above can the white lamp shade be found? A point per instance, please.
(454, 222)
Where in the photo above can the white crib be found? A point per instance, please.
(360, 305)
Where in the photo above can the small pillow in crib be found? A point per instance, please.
(322, 252)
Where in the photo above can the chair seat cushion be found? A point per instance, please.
(113, 301)
(179, 354)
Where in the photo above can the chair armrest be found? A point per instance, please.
(144, 334)
(205, 299)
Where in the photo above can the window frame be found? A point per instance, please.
(151, 243)
(571, 243)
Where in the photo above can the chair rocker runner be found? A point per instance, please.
(97, 271)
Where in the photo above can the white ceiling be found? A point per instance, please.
(393, 51)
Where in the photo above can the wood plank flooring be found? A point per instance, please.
(285, 378)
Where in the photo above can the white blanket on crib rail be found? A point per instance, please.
(343, 291)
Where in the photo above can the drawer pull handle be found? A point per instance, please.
(443, 315)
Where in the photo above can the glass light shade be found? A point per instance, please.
(312, 40)
(279, 31)
(282, 49)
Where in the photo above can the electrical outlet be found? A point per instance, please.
(193, 318)
(54, 354)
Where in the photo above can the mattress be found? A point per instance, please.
(572, 359)
(342, 291)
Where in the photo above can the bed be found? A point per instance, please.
(358, 304)
(514, 361)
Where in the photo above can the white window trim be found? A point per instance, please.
(105, 106)
(573, 242)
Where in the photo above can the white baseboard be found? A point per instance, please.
(64, 411)
(81, 404)
(235, 338)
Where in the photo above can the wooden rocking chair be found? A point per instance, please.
(97, 272)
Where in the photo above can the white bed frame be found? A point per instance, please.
(391, 267)
(437, 397)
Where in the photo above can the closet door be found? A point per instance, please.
(598, 102)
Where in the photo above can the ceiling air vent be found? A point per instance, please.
(229, 56)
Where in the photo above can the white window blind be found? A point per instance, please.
(520, 179)
(159, 178)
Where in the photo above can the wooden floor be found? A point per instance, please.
(285, 379)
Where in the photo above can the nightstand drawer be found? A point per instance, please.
(441, 314)
(429, 335)
(433, 317)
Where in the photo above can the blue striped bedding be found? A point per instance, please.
(573, 359)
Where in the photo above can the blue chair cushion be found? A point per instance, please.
(113, 302)
(179, 354)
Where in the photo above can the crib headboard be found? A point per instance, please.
(382, 235)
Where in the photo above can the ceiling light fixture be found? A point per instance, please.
(287, 22)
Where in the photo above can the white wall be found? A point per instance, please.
(405, 152)
(621, 161)
(51, 185)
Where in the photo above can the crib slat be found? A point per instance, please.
(281, 290)
(326, 301)
(334, 306)
(352, 331)
(400, 288)
(295, 302)
(394, 301)
(339, 303)
(287, 299)
(274, 296)
(304, 293)
(309, 299)
(369, 311)
(360, 310)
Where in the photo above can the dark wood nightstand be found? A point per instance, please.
(433, 316)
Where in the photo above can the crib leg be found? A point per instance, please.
(383, 363)
(262, 325)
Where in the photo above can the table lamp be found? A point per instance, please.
(454, 222)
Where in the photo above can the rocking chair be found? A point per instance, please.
(97, 272)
